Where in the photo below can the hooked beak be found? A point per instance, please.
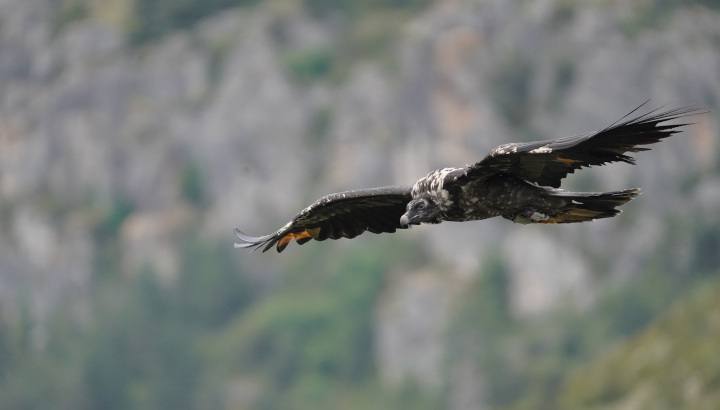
(405, 221)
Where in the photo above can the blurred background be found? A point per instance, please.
(135, 134)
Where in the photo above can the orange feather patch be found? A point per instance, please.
(300, 237)
(567, 160)
(573, 215)
(285, 240)
(584, 212)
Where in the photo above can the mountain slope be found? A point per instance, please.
(674, 363)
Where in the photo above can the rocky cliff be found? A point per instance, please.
(110, 150)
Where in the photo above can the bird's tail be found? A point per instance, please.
(587, 206)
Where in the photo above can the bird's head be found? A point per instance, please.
(421, 209)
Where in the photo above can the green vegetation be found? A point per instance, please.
(155, 18)
(306, 66)
(71, 10)
(113, 217)
(153, 345)
(369, 29)
(674, 363)
(141, 348)
(511, 90)
(530, 360)
(353, 8)
(192, 185)
(319, 126)
(107, 257)
(656, 13)
(313, 338)
(300, 336)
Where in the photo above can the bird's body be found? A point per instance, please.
(459, 199)
(518, 181)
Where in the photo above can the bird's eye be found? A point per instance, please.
(421, 206)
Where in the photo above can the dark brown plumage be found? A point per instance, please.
(518, 181)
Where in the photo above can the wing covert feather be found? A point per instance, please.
(342, 215)
(546, 163)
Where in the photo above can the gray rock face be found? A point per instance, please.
(410, 326)
(86, 120)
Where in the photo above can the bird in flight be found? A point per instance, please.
(518, 181)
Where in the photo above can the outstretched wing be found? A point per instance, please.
(546, 163)
(342, 215)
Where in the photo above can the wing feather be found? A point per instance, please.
(341, 215)
(547, 162)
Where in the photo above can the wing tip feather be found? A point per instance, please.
(254, 242)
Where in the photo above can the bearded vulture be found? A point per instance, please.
(518, 181)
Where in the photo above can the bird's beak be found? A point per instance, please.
(404, 221)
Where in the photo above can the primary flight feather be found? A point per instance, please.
(518, 181)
